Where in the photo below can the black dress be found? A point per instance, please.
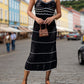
(43, 55)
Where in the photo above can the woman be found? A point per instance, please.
(8, 41)
(43, 55)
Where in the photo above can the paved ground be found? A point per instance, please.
(67, 72)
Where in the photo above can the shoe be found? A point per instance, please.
(47, 82)
(24, 82)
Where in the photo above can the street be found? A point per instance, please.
(68, 69)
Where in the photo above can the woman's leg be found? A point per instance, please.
(47, 76)
(26, 73)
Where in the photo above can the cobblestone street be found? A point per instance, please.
(68, 69)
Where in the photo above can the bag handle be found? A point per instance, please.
(45, 26)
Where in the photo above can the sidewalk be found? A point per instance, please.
(68, 70)
(3, 46)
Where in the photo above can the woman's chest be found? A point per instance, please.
(42, 4)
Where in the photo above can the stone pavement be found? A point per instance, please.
(68, 70)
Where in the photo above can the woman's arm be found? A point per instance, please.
(29, 12)
(58, 8)
(57, 16)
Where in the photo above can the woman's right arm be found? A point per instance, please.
(29, 12)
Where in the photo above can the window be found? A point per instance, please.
(6, 14)
(25, 9)
(6, 2)
(1, 13)
(15, 17)
(25, 20)
(10, 15)
(18, 17)
(10, 3)
(22, 7)
(22, 19)
(1, 1)
(17, 6)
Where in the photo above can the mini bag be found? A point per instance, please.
(43, 32)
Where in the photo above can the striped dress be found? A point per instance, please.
(43, 55)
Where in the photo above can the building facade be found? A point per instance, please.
(30, 20)
(64, 19)
(14, 13)
(69, 0)
(70, 20)
(82, 22)
(76, 19)
(4, 13)
(23, 13)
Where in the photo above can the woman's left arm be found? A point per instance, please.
(57, 16)
(58, 8)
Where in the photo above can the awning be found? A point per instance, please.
(60, 28)
(64, 29)
(30, 27)
(82, 30)
(77, 29)
(9, 29)
(23, 29)
(13, 26)
(69, 30)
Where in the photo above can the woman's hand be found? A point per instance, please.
(48, 20)
(39, 20)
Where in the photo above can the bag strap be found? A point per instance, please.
(40, 26)
(45, 26)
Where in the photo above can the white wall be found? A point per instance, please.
(70, 20)
(82, 21)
